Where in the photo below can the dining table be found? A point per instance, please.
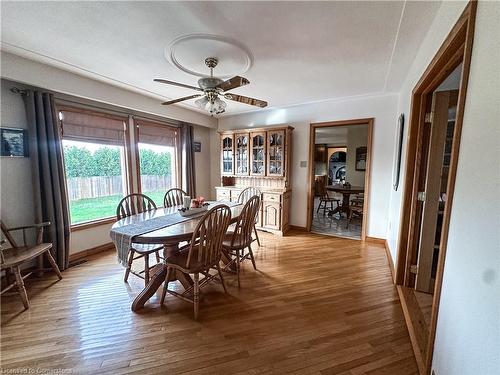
(170, 237)
(346, 192)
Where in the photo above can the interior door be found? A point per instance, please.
(435, 181)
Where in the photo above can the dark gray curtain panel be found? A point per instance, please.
(187, 159)
(48, 173)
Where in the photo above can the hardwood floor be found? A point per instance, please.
(316, 305)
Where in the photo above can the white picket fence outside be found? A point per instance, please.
(102, 186)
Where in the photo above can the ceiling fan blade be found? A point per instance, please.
(233, 83)
(177, 84)
(246, 100)
(182, 99)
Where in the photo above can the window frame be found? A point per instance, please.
(128, 178)
(177, 156)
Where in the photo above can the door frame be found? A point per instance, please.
(456, 49)
(312, 138)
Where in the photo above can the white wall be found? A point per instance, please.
(468, 330)
(446, 17)
(16, 188)
(382, 108)
(357, 136)
(202, 162)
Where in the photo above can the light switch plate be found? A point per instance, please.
(303, 164)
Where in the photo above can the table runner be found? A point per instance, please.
(122, 237)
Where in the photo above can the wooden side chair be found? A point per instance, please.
(243, 198)
(200, 255)
(236, 242)
(130, 205)
(325, 201)
(174, 197)
(356, 207)
(12, 258)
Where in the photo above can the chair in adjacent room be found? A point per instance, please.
(325, 201)
(174, 197)
(356, 208)
(202, 254)
(130, 205)
(13, 257)
(243, 198)
(235, 242)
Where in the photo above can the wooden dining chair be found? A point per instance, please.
(202, 254)
(235, 242)
(130, 205)
(325, 201)
(243, 198)
(174, 197)
(356, 207)
(13, 257)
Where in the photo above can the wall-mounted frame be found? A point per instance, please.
(197, 146)
(14, 142)
(361, 158)
(396, 170)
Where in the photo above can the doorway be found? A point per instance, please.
(339, 178)
(431, 163)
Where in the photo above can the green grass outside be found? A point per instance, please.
(89, 209)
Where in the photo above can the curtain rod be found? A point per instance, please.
(17, 90)
(119, 111)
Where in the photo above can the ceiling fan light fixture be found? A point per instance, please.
(213, 87)
(217, 106)
(202, 102)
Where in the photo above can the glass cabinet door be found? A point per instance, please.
(258, 155)
(275, 153)
(241, 141)
(227, 156)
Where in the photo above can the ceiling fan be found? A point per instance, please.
(213, 87)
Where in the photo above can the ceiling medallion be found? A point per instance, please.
(188, 52)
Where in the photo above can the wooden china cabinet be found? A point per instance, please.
(241, 153)
(227, 154)
(260, 158)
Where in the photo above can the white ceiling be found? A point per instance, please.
(302, 51)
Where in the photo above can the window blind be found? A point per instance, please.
(156, 133)
(93, 127)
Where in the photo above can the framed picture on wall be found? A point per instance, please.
(197, 146)
(361, 158)
(397, 151)
(14, 142)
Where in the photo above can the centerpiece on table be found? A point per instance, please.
(197, 205)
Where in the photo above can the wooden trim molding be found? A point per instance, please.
(312, 137)
(94, 250)
(298, 228)
(411, 329)
(92, 224)
(456, 49)
(380, 241)
(390, 260)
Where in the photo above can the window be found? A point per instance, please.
(157, 159)
(95, 164)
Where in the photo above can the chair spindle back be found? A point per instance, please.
(248, 193)
(174, 197)
(246, 221)
(208, 237)
(134, 204)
